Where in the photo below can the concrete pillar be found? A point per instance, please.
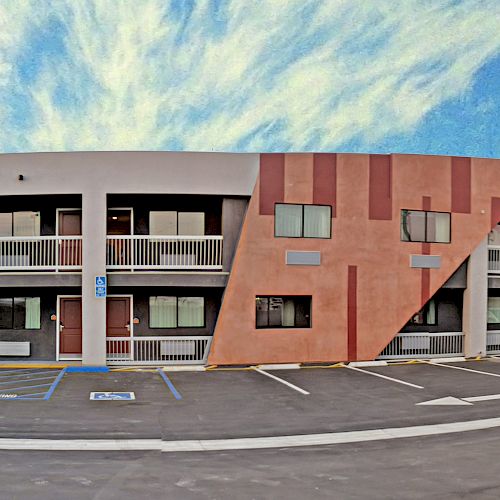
(233, 213)
(94, 212)
(475, 307)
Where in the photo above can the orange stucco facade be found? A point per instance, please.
(386, 291)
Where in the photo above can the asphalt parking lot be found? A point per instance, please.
(232, 404)
(246, 403)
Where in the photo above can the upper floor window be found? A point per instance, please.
(283, 312)
(173, 223)
(20, 313)
(428, 227)
(20, 224)
(302, 221)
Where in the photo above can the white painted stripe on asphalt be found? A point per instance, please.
(368, 363)
(298, 389)
(385, 377)
(331, 438)
(491, 397)
(284, 366)
(464, 369)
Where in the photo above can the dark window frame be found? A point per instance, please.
(268, 327)
(426, 212)
(302, 225)
(13, 313)
(425, 311)
(177, 297)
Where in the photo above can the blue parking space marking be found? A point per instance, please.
(21, 382)
(171, 386)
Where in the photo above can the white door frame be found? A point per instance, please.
(66, 357)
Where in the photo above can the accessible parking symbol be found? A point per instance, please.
(112, 396)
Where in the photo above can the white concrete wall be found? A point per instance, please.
(476, 302)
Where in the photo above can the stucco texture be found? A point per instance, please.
(388, 290)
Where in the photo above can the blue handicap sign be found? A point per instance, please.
(100, 286)
(112, 396)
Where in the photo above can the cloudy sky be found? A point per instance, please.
(237, 75)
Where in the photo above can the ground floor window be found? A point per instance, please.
(283, 312)
(493, 310)
(176, 312)
(427, 316)
(20, 313)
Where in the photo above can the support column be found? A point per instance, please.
(94, 218)
(475, 308)
(233, 215)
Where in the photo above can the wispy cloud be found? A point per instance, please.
(232, 75)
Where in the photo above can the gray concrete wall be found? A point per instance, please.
(129, 172)
(476, 302)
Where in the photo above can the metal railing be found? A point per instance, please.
(40, 253)
(493, 342)
(164, 252)
(494, 259)
(185, 350)
(424, 345)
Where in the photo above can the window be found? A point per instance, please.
(20, 313)
(426, 316)
(428, 227)
(283, 312)
(302, 221)
(20, 224)
(493, 310)
(176, 312)
(173, 223)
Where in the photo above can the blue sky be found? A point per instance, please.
(419, 76)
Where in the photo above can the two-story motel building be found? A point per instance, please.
(227, 259)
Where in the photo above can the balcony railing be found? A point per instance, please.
(164, 252)
(494, 259)
(493, 342)
(157, 350)
(40, 253)
(424, 345)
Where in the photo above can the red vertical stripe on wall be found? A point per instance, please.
(272, 182)
(460, 185)
(425, 282)
(495, 212)
(380, 187)
(352, 313)
(325, 180)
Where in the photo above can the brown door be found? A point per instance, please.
(117, 324)
(70, 224)
(70, 326)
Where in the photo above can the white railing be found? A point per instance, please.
(40, 253)
(185, 350)
(424, 345)
(164, 252)
(494, 259)
(493, 342)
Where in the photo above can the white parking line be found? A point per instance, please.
(464, 369)
(298, 389)
(384, 376)
(248, 443)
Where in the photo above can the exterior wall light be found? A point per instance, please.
(20, 177)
